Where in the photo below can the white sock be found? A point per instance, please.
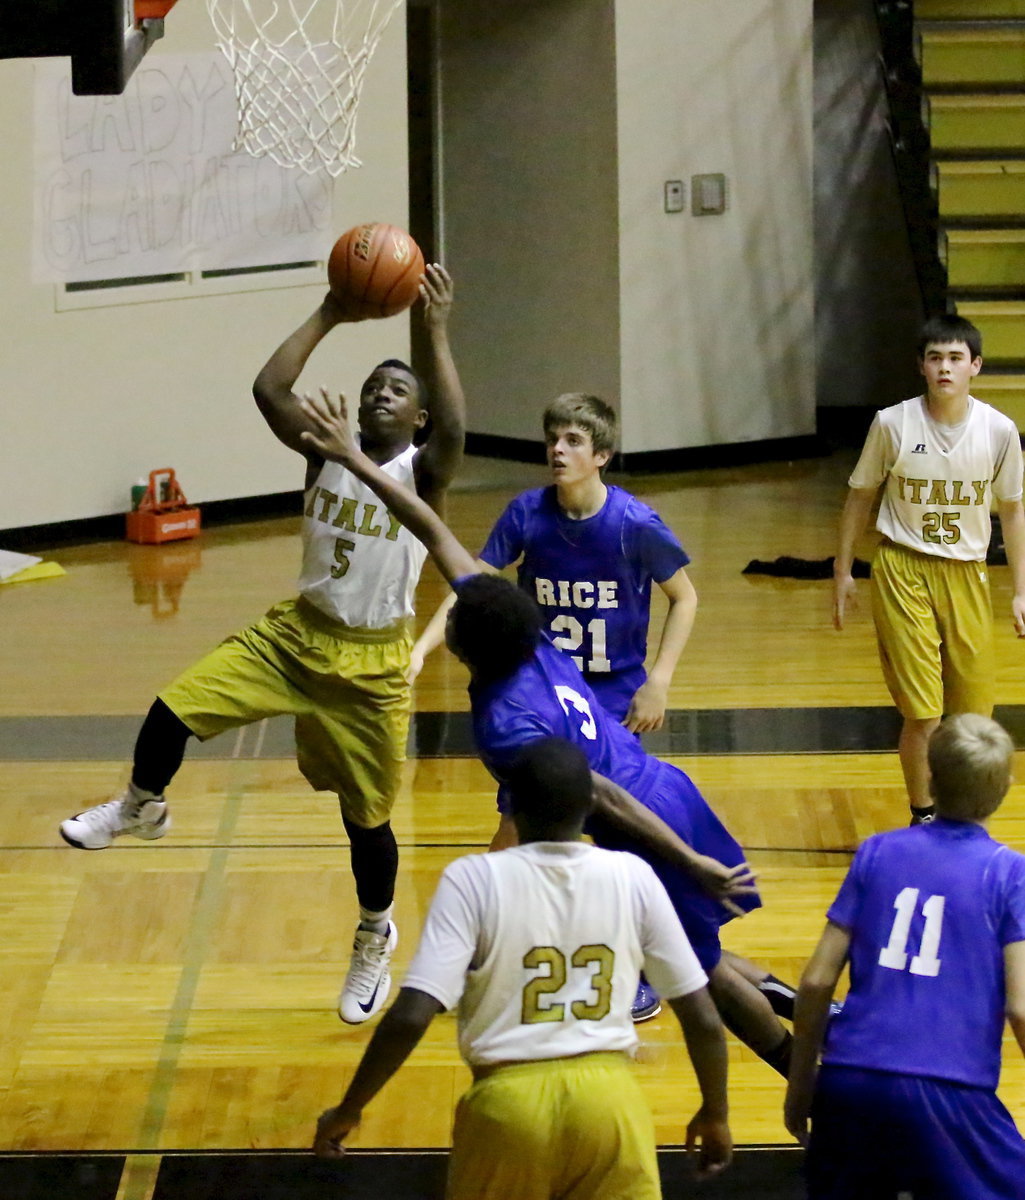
(376, 922)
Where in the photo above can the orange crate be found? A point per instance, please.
(163, 514)
(152, 9)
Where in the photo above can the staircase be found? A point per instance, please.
(973, 73)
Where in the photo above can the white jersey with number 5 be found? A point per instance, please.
(940, 480)
(541, 945)
(360, 566)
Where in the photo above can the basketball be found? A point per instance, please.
(378, 266)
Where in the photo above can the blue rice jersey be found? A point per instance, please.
(548, 697)
(592, 580)
(929, 910)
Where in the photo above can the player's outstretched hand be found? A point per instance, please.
(647, 709)
(437, 292)
(796, 1109)
(844, 595)
(334, 1125)
(724, 883)
(710, 1145)
(332, 436)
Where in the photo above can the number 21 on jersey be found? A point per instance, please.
(895, 953)
(573, 635)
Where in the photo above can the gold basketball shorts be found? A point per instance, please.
(578, 1128)
(934, 625)
(345, 685)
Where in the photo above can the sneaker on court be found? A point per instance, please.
(922, 816)
(646, 1003)
(368, 982)
(96, 828)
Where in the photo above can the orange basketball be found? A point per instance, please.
(378, 266)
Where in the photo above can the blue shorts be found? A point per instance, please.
(678, 802)
(875, 1134)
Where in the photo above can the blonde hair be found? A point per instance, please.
(591, 413)
(970, 760)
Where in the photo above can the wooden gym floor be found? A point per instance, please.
(180, 995)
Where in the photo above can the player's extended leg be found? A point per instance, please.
(140, 810)
(914, 762)
(910, 638)
(374, 856)
(781, 996)
(353, 743)
(251, 675)
(747, 1013)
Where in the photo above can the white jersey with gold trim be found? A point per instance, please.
(940, 480)
(541, 946)
(360, 566)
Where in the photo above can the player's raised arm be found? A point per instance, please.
(334, 440)
(272, 388)
(441, 455)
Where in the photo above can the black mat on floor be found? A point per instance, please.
(450, 735)
(769, 1174)
(67, 1176)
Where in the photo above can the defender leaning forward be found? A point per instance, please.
(941, 458)
(338, 655)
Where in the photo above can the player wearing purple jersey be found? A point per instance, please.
(588, 552)
(591, 578)
(523, 689)
(932, 922)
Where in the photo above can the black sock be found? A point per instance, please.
(779, 1059)
(780, 995)
(159, 748)
(374, 857)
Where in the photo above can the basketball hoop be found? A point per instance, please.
(299, 67)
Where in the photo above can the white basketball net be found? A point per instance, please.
(299, 67)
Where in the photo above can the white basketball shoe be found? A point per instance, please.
(368, 982)
(96, 828)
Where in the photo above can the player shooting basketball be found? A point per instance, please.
(338, 655)
(522, 688)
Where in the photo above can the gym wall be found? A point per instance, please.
(562, 121)
(95, 397)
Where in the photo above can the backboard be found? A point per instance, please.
(105, 39)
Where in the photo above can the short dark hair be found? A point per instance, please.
(423, 394)
(495, 625)
(550, 783)
(949, 327)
